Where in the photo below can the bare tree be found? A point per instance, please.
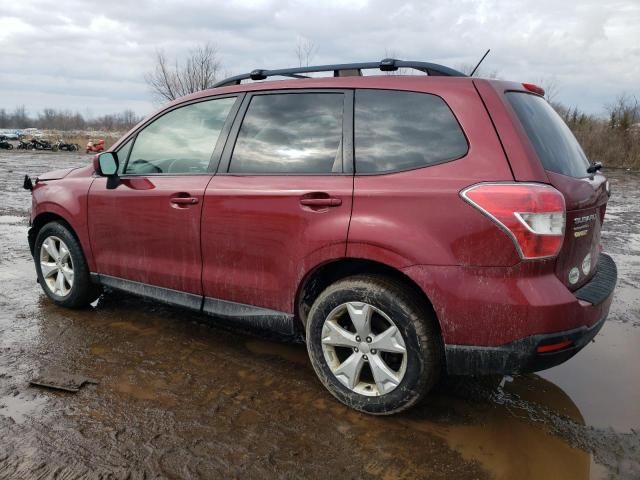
(624, 112)
(197, 72)
(305, 51)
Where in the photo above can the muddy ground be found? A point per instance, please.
(179, 396)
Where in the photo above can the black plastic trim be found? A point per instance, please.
(237, 313)
(519, 356)
(598, 289)
(387, 64)
(164, 295)
(250, 316)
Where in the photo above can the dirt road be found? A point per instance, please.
(181, 397)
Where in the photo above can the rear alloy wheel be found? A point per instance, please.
(374, 344)
(366, 358)
(62, 269)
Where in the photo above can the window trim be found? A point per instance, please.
(401, 170)
(217, 150)
(347, 133)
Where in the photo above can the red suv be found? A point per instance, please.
(406, 225)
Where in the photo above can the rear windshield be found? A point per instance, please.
(557, 148)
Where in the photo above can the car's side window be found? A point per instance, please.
(123, 155)
(180, 141)
(290, 133)
(403, 130)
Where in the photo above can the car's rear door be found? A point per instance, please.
(281, 200)
(147, 229)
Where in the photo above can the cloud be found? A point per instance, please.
(93, 55)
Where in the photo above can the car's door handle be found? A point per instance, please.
(321, 202)
(184, 200)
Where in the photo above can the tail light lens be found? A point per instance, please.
(532, 214)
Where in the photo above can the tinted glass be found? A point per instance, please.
(557, 148)
(181, 141)
(290, 133)
(404, 130)
(123, 154)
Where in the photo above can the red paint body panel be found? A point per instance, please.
(258, 241)
(495, 306)
(66, 198)
(522, 157)
(138, 234)
(417, 217)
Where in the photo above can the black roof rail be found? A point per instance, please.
(385, 65)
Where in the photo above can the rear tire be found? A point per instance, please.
(386, 367)
(62, 269)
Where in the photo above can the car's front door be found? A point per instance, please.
(281, 200)
(147, 229)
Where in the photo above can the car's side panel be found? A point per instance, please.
(521, 156)
(66, 198)
(139, 234)
(258, 240)
(494, 306)
(417, 217)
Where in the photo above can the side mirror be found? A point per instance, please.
(107, 164)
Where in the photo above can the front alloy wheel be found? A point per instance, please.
(56, 266)
(62, 268)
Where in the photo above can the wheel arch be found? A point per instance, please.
(41, 220)
(323, 275)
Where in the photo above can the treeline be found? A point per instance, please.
(52, 119)
(613, 140)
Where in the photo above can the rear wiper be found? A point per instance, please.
(594, 167)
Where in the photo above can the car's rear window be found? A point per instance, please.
(557, 148)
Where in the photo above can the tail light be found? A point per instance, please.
(532, 214)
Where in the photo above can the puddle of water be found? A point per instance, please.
(604, 378)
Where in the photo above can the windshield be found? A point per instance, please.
(557, 148)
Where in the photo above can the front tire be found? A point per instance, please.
(62, 269)
(374, 344)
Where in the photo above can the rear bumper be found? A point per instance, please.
(520, 356)
(495, 322)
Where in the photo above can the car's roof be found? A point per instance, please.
(390, 82)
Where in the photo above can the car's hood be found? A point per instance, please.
(55, 174)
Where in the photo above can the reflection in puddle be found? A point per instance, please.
(292, 353)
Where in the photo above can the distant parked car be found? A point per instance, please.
(406, 226)
(95, 146)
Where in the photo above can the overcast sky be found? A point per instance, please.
(91, 56)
